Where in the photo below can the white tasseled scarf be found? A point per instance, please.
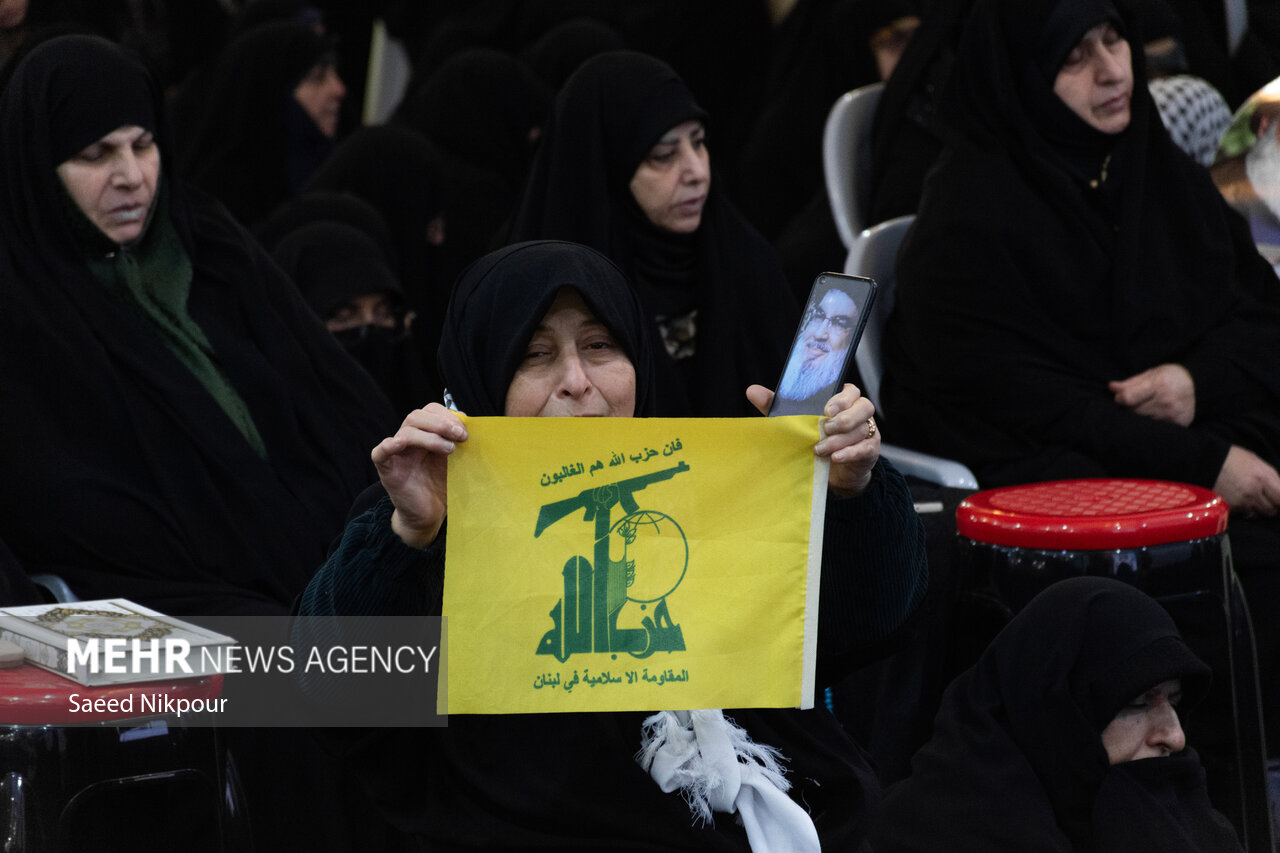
(718, 768)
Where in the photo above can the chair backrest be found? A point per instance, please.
(846, 158)
(1237, 17)
(874, 254)
(55, 586)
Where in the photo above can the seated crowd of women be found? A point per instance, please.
(181, 428)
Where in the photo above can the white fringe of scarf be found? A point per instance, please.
(716, 766)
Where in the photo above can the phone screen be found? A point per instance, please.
(829, 331)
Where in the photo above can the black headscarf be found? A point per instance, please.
(1161, 23)
(479, 107)
(1047, 260)
(118, 469)
(259, 12)
(328, 206)
(333, 263)
(501, 298)
(819, 52)
(401, 174)
(604, 122)
(254, 145)
(558, 52)
(1016, 761)
(904, 139)
(1021, 46)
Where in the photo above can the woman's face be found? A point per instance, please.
(12, 13)
(367, 309)
(1096, 79)
(888, 43)
(320, 93)
(114, 180)
(1147, 727)
(572, 367)
(672, 182)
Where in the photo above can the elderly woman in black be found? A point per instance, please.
(1065, 736)
(177, 427)
(624, 167)
(1075, 299)
(552, 329)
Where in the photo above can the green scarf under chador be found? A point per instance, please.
(152, 277)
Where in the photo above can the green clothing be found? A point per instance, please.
(152, 276)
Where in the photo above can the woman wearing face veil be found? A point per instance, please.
(548, 328)
(178, 429)
(624, 167)
(1065, 736)
(346, 279)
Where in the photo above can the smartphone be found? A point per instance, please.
(829, 331)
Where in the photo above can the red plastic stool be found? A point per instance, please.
(1167, 539)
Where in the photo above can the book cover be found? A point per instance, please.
(112, 641)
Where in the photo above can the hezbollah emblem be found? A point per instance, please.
(592, 616)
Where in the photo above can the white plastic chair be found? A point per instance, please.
(846, 158)
(1236, 13)
(874, 254)
(55, 586)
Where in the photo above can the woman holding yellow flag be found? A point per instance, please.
(553, 329)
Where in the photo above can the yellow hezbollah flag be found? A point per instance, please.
(632, 564)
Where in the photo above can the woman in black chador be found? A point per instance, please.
(1075, 298)
(177, 428)
(552, 329)
(1065, 737)
(264, 121)
(624, 167)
